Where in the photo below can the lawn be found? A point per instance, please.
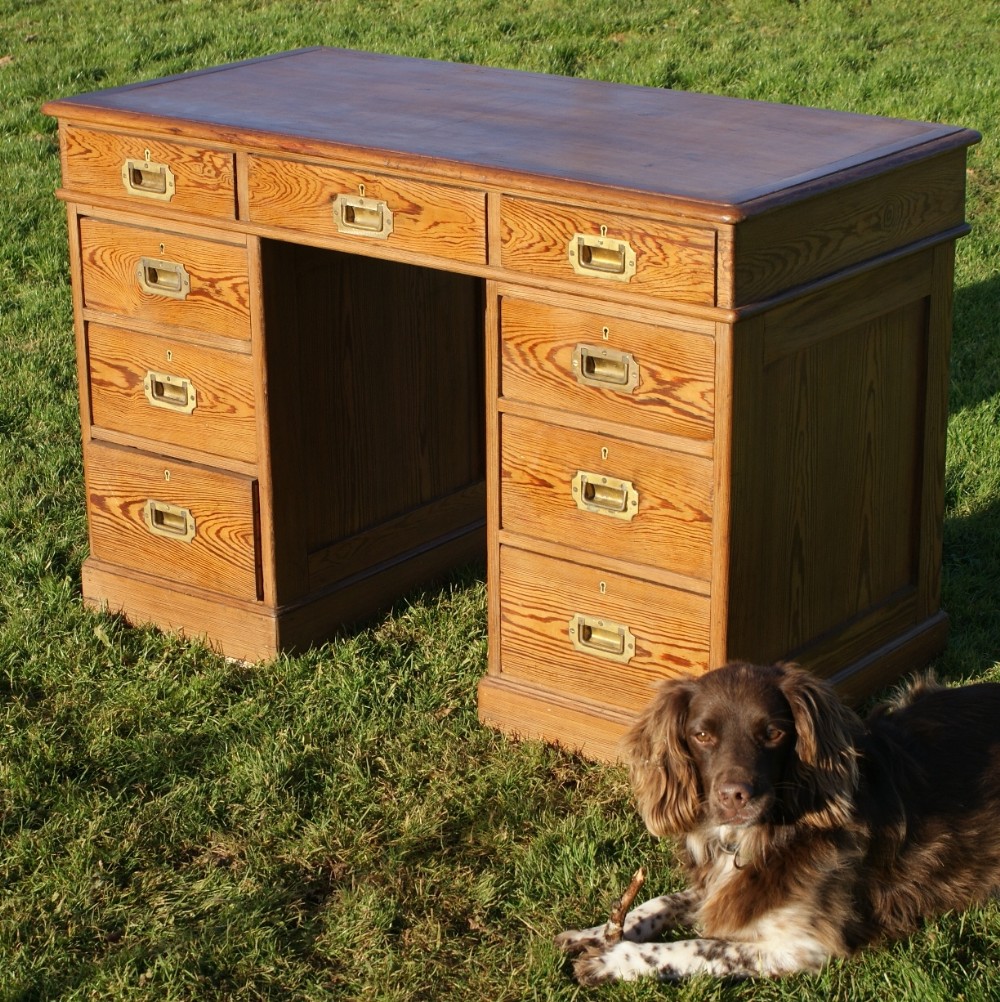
(337, 825)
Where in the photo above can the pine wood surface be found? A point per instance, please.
(218, 301)
(204, 178)
(437, 219)
(789, 315)
(222, 556)
(542, 594)
(676, 390)
(466, 120)
(224, 421)
(672, 262)
(672, 524)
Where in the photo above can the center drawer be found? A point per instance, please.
(606, 496)
(405, 213)
(186, 524)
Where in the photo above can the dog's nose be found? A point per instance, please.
(734, 796)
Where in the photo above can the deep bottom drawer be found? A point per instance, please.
(187, 524)
(583, 631)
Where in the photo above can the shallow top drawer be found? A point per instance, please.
(419, 216)
(149, 172)
(607, 251)
(165, 278)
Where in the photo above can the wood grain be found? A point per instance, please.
(672, 527)
(540, 595)
(221, 557)
(237, 629)
(834, 230)
(204, 178)
(832, 528)
(218, 302)
(433, 219)
(223, 422)
(379, 368)
(672, 262)
(701, 154)
(676, 392)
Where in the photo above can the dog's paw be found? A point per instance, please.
(574, 941)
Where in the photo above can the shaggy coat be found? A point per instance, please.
(807, 832)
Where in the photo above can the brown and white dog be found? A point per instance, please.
(807, 832)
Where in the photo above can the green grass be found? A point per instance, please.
(337, 825)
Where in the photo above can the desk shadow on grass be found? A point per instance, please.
(971, 594)
(975, 348)
(971, 558)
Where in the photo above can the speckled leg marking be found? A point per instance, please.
(629, 961)
(667, 961)
(646, 922)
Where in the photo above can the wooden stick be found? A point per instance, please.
(613, 929)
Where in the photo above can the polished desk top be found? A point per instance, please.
(710, 156)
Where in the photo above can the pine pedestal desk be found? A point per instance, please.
(678, 362)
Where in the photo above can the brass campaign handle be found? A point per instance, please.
(602, 638)
(357, 215)
(601, 256)
(148, 179)
(169, 520)
(175, 393)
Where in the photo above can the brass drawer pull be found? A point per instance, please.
(362, 217)
(168, 520)
(163, 278)
(601, 256)
(601, 638)
(605, 368)
(605, 495)
(175, 393)
(148, 179)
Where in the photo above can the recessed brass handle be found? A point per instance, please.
(163, 278)
(601, 256)
(362, 217)
(148, 179)
(605, 368)
(175, 393)
(168, 520)
(604, 495)
(602, 638)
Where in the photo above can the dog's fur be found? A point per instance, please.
(808, 834)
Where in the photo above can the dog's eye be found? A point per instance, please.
(773, 734)
(702, 737)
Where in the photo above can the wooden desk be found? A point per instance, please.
(706, 420)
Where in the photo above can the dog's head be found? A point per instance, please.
(744, 745)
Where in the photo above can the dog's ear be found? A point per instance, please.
(825, 764)
(662, 771)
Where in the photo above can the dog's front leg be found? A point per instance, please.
(630, 961)
(646, 922)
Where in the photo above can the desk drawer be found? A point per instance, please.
(418, 216)
(605, 250)
(606, 496)
(582, 631)
(166, 278)
(172, 392)
(186, 524)
(617, 370)
(149, 172)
